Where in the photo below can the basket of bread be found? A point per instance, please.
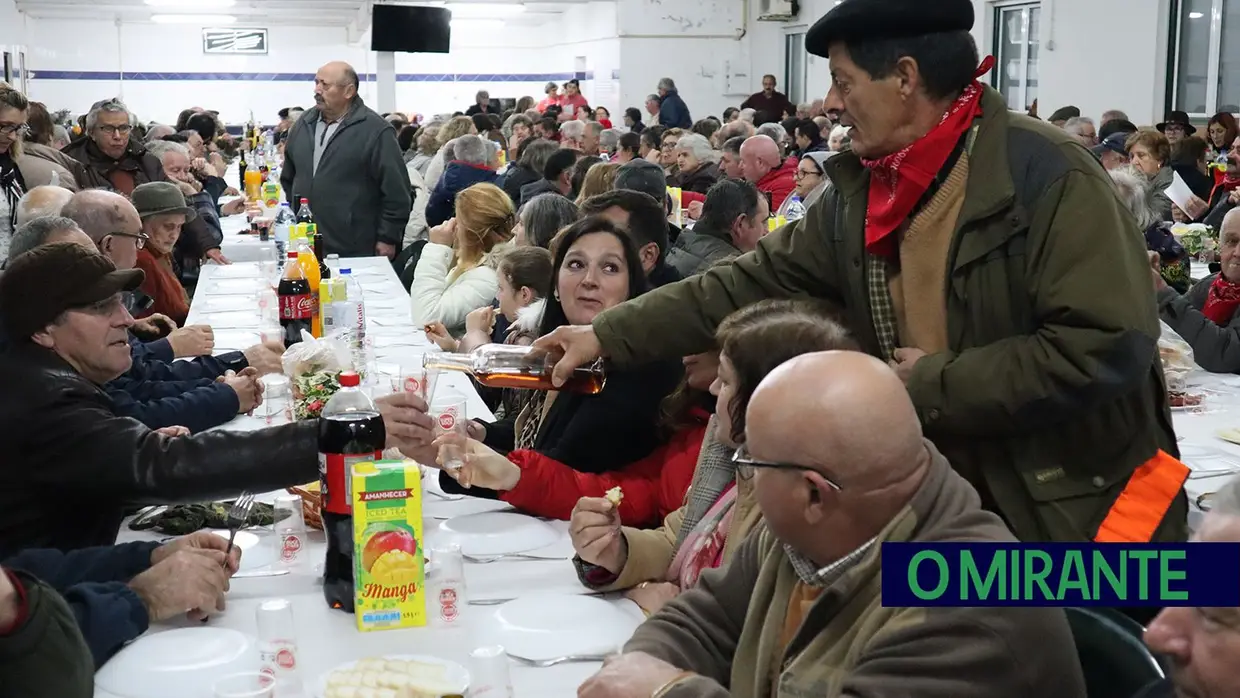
(311, 503)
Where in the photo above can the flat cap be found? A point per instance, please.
(43, 283)
(887, 19)
(1065, 113)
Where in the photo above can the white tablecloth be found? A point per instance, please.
(326, 637)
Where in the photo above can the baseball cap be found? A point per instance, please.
(43, 283)
(1114, 143)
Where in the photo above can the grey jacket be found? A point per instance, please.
(1158, 192)
(360, 194)
(1216, 349)
(695, 250)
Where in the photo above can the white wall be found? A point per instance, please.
(167, 71)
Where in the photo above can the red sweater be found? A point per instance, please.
(779, 183)
(653, 487)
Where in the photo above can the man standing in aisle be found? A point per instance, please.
(343, 157)
(774, 104)
(951, 240)
(673, 112)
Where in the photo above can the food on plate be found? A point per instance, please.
(389, 678)
(1182, 399)
(615, 495)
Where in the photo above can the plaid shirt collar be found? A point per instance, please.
(824, 577)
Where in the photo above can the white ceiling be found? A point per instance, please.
(354, 14)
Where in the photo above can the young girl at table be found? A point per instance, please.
(456, 272)
(596, 267)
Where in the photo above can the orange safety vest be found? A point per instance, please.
(1135, 516)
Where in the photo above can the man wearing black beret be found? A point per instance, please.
(982, 253)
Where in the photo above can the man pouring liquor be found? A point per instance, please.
(952, 242)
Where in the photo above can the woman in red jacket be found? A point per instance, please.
(653, 486)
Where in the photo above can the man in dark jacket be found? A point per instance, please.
(42, 653)
(733, 221)
(113, 160)
(1029, 351)
(673, 112)
(116, 591)
(75, 464)
(557, 176)
(770, 102)
(344, 158)
(473, 163)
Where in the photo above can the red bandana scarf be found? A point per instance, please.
(1222, 301)
(1231, 182)
(898, 181)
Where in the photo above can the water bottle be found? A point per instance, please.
(283, 229)
(794, 210)
(349, 310)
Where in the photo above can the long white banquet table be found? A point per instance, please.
(325, 637)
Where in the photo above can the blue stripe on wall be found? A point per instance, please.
(300, 77)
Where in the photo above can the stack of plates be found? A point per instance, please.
(182, 663)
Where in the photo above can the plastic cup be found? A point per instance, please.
(448, 409)
(277, 402)
(416, 378)
(445, 582)
(247, 685)
(490, 676)
(289, 527)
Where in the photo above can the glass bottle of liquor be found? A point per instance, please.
(512, 366)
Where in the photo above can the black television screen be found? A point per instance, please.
(407, 29)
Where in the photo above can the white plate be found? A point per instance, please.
(496, 533)
(240, 270)
(257, 552)
(183, 662)
(233, 287)
(542, 626)
(235, 340)
(215, 304)
(457, 676)
(223, 320)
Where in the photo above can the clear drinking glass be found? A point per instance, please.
(490, 676)
(289, 525)
(447, 408)
(445, 582)
(277, 406)
(248, 685)
(416, 378)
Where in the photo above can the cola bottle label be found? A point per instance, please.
(296, 307)
(336, 479)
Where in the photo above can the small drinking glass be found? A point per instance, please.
(385, 380)
(490, 676)
(445, 582)
(447, 408)
(416, 378)
(247, 685)
(277, 398)
(289, 525)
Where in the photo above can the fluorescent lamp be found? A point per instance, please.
(205, 20)
(477, 25)
(485, 10)
(1195, 15)
(193, 4)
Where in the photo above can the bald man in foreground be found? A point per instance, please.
(344, 158)
(762, 164)
(46, 200)
(839, 466)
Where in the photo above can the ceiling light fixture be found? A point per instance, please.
(485, 10)
(193, 4)
(205, 20)
(1195, 15)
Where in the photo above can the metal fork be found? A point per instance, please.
(238, 516)
(488, 559)
(544, 663)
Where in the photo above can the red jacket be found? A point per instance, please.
(779, 183)
(653, 487)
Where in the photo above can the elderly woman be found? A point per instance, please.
(811, 179)
(542, 217)
(839, 140)
(474, 161)
(13, 110)
(1206, 317)
(698, 163)
(426, 145)
(667, 152)
(553, 97)
(163, 211)
(1150, 153)
(1134, 190)
(454, 129)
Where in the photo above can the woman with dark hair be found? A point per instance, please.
(41, 163)
(731, 114)
(1221, 132)
(404, 138)
(572, 101)
(597, 267)
(603, 116)
(183, 119)
(630, 144)
(633, 120)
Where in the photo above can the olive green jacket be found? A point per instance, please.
(1051, 394)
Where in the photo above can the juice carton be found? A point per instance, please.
(388, 555)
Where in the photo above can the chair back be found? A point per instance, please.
(1112, 652)
(406, 263)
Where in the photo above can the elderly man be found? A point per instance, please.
(60, 137)
(804, 110)
(609, 142)
(473, 162)
(673, 112)
(652, 110)
(40, 201)
(203, 234)
(344, 158)
(1083, 128)
(732, 222)
(762, 164)
(590, 139)
(112, 159)
(158, 132)
(1061, 115)
(573, 136)
(770, 102)
(737, 129)
(67, 340)
(1202, 645)
(778, 134)
(1028, 349)
(1112, 152)
(839, 467)
(730, 158)
(632, 205)
(1113, 115)
(481, 105)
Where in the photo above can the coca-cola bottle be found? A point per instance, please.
(296, 303)
(350, 432)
